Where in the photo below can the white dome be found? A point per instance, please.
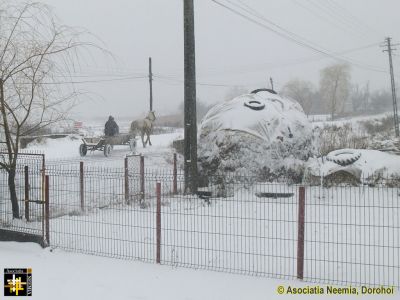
(264, 115)
(254, 131)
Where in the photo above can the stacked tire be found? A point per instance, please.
(344, 157)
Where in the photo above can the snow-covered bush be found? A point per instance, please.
(333, 137)
(379, 126)
(376, 133)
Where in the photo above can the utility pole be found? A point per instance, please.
(190, 126)
(389, 50)
(151, 85)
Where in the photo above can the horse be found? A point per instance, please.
(144, 126)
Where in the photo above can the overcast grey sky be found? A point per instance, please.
(230, 50)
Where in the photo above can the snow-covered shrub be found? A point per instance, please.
(378, 126)
(333, 137)
(375, 134)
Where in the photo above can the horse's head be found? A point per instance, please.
(151, 116)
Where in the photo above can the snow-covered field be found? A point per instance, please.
(352, 234)
(321, 120)
(65, 151)
(64, 275)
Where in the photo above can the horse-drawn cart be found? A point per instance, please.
(106, 143)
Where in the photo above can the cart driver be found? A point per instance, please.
(111, 128)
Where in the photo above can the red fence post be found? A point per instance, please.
(158, 220)
(142, 177)
(47, 210)
(126, 182)
(81, 186)
(300, 233)
(43, 195)
(26, 193)
(175, 183)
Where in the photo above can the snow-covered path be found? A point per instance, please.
(65, 151)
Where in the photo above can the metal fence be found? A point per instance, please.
(337, 234)
(29, 179)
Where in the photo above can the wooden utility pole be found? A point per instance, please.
(389, 50)
(151, 85)
(190, 126)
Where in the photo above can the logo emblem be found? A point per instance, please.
(18, 282)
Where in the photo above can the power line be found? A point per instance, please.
(79, 75)
(256, 14)
(181, 81)
(288, 35)
(351, 17)
(86, 81)
(270, 65)
(321, 6)
(339, 24)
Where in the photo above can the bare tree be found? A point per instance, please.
(302, 91)
(36, 57)
(334, 87)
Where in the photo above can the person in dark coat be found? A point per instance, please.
(111, 128)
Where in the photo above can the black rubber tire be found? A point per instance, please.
(254, 104)
(107, 150)
(274, 195)
(82, 150)
(343, 157)
(264, 90)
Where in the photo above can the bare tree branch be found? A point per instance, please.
(35, 52)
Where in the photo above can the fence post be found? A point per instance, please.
(26, 193)
(47, 209)
(175, 183)
(81, 186)
(158, 221)
(300, 234)
(126, 182)
(142, 177)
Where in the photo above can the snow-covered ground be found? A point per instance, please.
(63, 275)
(65, 151)
(352, 233)
(321, 120)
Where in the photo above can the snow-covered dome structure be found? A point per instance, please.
(262, 133)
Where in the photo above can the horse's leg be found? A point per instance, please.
(144, 144)
(148, 137)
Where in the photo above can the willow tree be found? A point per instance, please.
(37, 58)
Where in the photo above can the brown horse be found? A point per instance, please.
(144, 126)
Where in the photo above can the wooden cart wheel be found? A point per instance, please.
(107, 150)
(82, 150)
